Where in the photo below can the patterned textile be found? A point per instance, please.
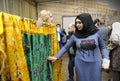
(14, 65)
(37, 48)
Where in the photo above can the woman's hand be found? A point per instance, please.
(52, 58)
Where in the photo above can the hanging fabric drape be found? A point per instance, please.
(37, 48)
(25, 49)
(15, 64)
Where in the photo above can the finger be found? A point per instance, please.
(49, 58)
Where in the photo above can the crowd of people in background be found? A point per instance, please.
(108, 43)
(111, 37)
(86, 40)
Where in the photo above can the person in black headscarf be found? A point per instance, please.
(88, 41)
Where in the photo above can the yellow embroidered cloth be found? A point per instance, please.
(13, 64)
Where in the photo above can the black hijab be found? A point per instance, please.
(88, 26)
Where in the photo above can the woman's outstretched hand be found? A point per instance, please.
(52, 58)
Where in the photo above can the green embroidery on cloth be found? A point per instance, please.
(37, 48)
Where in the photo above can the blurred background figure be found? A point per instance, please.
(45, 16)
(71, 53)
(97, 22)
(100, 24)
(60, 35)
(64, 38)
(115, 51)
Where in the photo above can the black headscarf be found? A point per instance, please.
(88, 26)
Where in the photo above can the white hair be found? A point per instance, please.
(115, 34)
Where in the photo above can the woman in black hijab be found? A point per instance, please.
(88, 41)
(89, 27)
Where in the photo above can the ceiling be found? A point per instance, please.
(41, 1)
(112, 3)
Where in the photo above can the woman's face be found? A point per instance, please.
(79, 24)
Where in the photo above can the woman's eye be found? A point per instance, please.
(78, 22)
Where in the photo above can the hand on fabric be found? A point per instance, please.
(106, 63)
(52, 58)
